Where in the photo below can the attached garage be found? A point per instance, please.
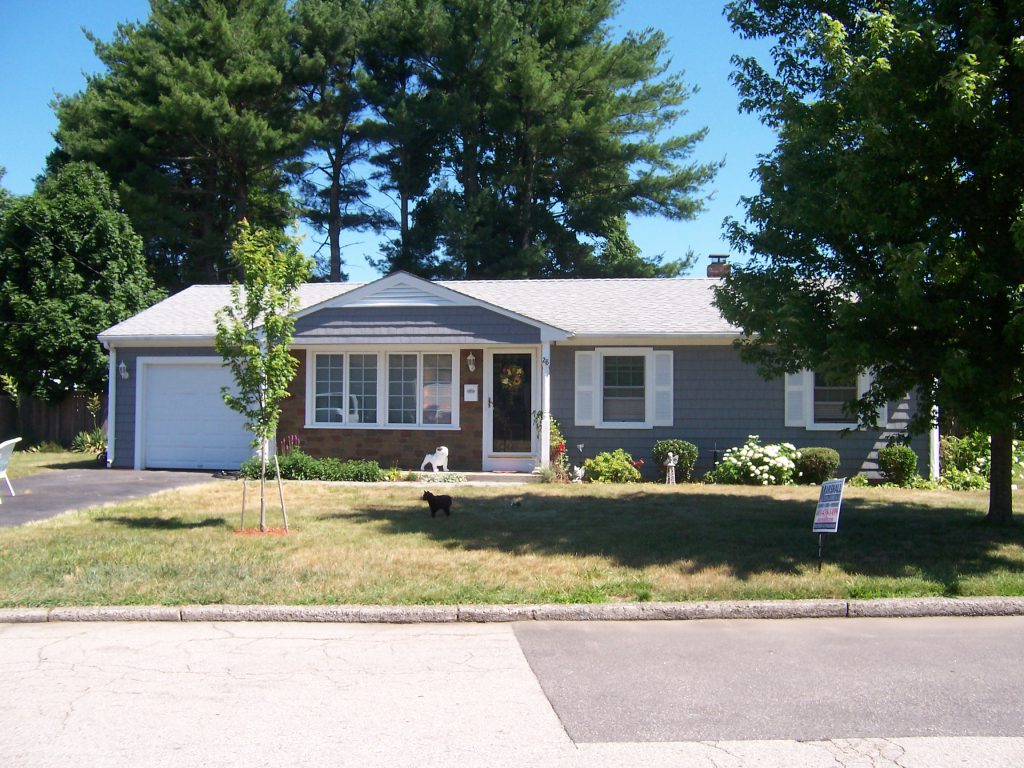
(181, 419)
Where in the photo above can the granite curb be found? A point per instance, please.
(438, 614)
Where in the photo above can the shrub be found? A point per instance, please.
(898, 464)
(299, 465)
(611, 467)
(816, 465)
(973, 454)
(93, 441)
(860, 480)
(962, 480)
(295, 465)
(687, 453)
(756, 464)
(353, 470)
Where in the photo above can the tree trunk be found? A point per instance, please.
(334, 218)
(1000, 495)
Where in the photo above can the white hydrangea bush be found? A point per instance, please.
(756, 464)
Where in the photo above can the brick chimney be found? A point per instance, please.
(719, 266)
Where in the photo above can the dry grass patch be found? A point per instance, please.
(379, 545)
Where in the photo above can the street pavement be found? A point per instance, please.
(915, 693)
(49, 494)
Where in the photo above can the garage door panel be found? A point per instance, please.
(186, 424)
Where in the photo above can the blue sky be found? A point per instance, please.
(43, 52)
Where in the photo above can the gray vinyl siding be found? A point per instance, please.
(124, 406)
(718, 401)
(412, 325)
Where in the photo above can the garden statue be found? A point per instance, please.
(670, 468)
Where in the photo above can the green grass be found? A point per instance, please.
(25, 463)
(378, 545)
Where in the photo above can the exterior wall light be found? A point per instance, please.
(471, 362)
(122, 371)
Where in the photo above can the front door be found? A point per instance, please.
(509, 430)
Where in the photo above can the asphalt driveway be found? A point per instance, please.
(48, 494)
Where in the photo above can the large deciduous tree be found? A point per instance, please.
(71, 266)
(193, 119)
(888, 232)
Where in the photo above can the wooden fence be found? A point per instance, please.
(54, 422)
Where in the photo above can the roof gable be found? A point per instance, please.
(403, 289)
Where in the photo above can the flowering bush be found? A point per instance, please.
(559, 452)
(756, 464)
(288, 443)
(967, 461)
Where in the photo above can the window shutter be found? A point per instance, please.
(663, 393)
(586, 389)
(864, 381)
(796, 400)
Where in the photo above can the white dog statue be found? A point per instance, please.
(437, 460)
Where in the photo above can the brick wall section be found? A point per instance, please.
(404, 448)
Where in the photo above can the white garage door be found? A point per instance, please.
(185, 423)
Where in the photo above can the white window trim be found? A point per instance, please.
(863, 384)
(647, 353)
(382, 387)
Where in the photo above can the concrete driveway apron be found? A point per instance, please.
(49, 494)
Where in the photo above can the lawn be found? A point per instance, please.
(25, 463)
(512, 544)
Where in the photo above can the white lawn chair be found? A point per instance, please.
(6, 449)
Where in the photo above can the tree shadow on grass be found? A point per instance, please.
(164, 523)
(745, 534)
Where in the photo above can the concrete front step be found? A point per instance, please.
(495, 477)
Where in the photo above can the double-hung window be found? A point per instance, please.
(382, 389)
(623, 394)
(831, 399)
(623, 388)
(815, 401)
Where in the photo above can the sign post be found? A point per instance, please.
(826, 515)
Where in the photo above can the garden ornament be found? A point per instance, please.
(437, 459)
(670, 468)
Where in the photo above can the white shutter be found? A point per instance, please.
(796, 399)
(586, 389)
(663, 393)
(864, 381)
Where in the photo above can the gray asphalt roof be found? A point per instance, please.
(595, 307)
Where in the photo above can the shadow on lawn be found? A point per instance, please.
(744, 533)
(164, 523)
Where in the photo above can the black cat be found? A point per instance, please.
(438, 502)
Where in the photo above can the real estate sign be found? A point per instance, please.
(826, 516)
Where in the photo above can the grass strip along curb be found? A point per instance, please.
(427, 614)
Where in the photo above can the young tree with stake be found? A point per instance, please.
(254, 333)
